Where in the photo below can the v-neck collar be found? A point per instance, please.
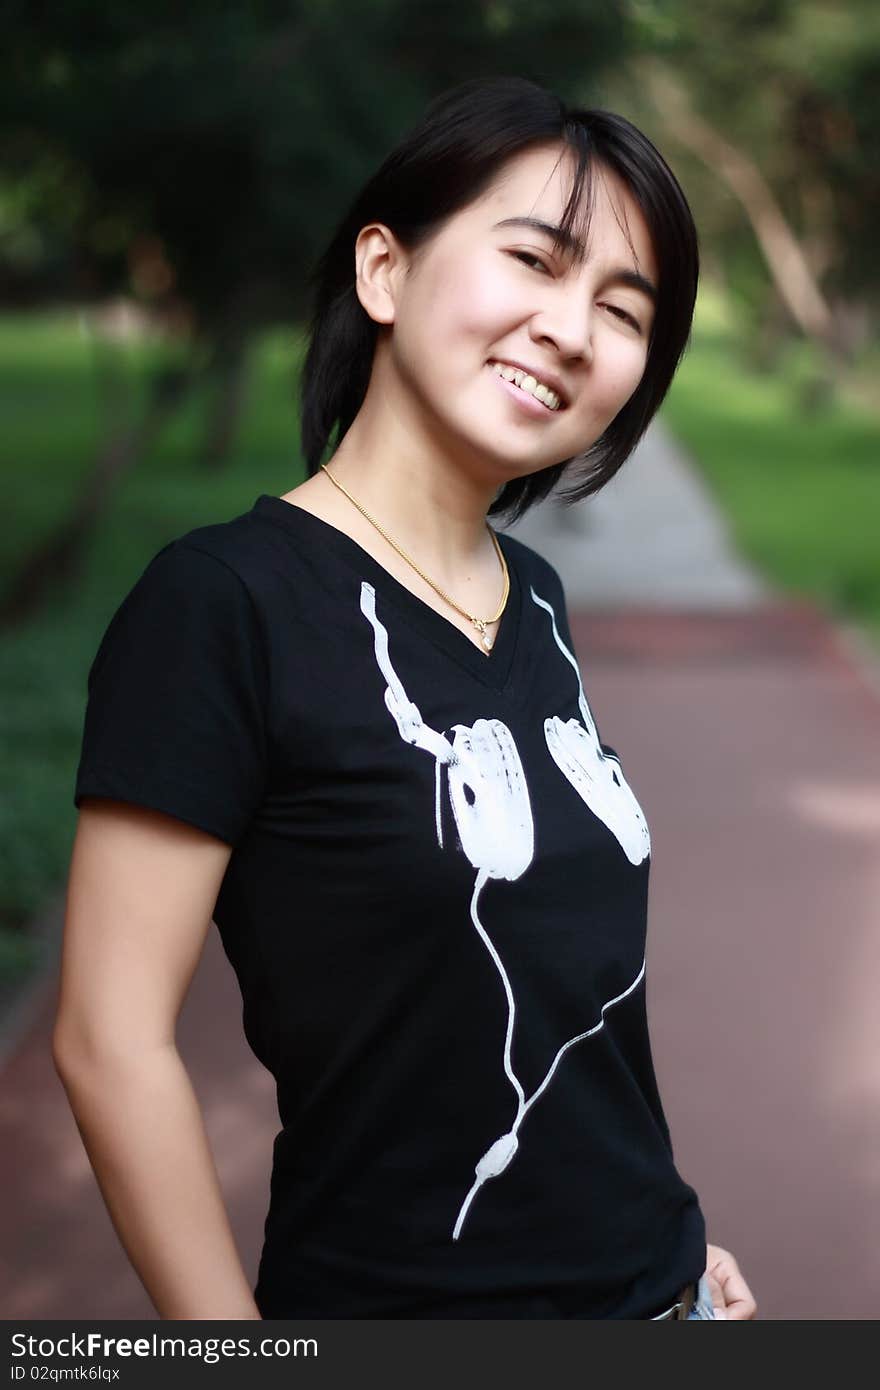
(493, 667)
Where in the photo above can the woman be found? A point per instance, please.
(349, 725)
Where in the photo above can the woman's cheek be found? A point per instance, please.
(624, 374)
(486, 298)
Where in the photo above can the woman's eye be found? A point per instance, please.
(534, 262)
(624, 316)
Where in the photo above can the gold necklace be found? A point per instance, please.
(479, 623)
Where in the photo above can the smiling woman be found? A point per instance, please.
(506, 160)
(488, 289)
(349, 725)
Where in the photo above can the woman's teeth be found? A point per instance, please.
(528, 383)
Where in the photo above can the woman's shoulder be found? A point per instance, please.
(241, 543)
(240, 552)
(212, 582)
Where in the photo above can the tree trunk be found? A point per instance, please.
(227, 392)
(782, 252)
(57, 558)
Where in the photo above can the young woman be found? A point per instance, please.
(350, 726)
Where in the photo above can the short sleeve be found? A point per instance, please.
(177, 694)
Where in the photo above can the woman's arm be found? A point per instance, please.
(141, 891)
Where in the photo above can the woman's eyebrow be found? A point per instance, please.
(633, 280)
(622, 275)
(567, 240)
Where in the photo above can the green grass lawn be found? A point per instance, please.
(802, 494)
(801, 490)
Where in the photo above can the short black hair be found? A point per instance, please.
(444, 164)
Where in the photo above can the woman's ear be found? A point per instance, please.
(379, 262)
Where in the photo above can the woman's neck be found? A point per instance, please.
(433, 508)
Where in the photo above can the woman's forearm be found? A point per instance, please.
(144, 1134)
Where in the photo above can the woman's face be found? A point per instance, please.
(488, 292)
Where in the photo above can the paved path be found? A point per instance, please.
(652, 536)
(752, 739)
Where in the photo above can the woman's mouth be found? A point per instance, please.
(528, 385)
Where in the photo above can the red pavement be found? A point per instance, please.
(753, 744)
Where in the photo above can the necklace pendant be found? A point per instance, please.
(480, 625)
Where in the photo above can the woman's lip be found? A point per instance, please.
(530, 404)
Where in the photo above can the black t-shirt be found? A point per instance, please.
(436, 909)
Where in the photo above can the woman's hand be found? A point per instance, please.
(731, 1295)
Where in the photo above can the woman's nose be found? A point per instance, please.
(568, 325)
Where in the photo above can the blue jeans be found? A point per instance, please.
(702, 1309)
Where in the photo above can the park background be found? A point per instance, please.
(168, 176)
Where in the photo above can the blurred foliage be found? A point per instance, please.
(198, 156)
(796, 84)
